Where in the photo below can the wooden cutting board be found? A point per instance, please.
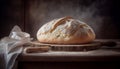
(36, 47)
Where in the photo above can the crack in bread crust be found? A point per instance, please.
(61, 21)
(65, 30)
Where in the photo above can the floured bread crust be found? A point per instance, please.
(65, 30)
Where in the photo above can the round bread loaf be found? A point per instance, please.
(65, 30)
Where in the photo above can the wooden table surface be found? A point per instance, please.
(102, 54)
(103, 58)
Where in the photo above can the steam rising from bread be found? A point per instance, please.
(92, 12)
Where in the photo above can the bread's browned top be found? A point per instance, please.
(65, 30)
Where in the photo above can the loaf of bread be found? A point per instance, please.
(65, 30)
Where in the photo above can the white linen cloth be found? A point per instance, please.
(11, 46)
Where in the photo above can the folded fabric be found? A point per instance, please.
(11, 46)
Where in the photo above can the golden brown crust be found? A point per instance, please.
(65, 31)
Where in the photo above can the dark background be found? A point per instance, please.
(30, 15)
